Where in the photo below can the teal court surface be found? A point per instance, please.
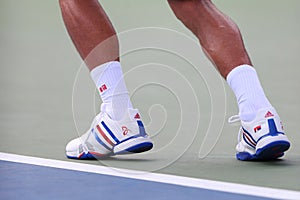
(47, 99)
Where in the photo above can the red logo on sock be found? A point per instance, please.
(103, 88)
(269, 114)
(137, 116)
(125, 130)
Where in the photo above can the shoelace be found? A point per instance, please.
(233, 119)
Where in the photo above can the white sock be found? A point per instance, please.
(109, 80)
(249, 93)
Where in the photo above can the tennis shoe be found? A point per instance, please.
(262, 138)
(107, 137)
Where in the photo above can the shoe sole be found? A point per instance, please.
(271, 151)
(88, 156)
(134, 145)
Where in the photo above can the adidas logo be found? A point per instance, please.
(137, 116)
(269, 114)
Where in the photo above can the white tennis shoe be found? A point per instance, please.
(261, 139)
(107, 137)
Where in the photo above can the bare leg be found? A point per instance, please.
(219, 36)
(221, 40)
(88, 26)
(96, 41)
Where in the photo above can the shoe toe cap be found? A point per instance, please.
(73, 145)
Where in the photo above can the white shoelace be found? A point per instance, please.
(232, 120)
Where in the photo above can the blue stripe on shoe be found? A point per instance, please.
(272, 130)
(248, 134)
(110, 132)
(272, 127)
(100, 141)
(246, 140)
(249, 139)
(136, 136)
(141, 128)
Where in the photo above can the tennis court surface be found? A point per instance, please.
(47, 99)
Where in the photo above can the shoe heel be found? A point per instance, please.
(133, 145)
(272, 150)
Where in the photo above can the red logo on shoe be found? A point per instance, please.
(269, 114)
(125, 130)
(137, 116)
(103, 88)
(257, 128)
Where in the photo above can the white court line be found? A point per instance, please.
(155, 177)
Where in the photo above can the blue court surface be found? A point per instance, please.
(33, 178)
(35, 182)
